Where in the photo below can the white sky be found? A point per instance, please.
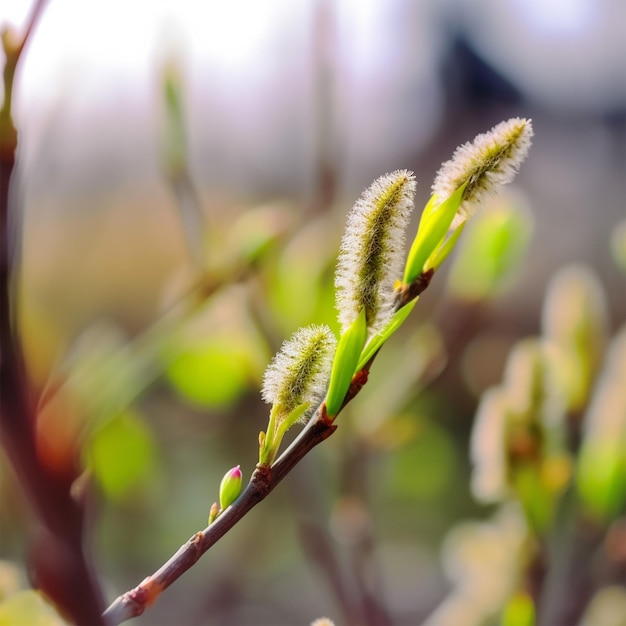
(247, 64)
(123, 41)
(122, 38)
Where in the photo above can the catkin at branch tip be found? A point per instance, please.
(487, 163)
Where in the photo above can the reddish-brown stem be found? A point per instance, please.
(411, 291)
(263, 481)
(58, 563)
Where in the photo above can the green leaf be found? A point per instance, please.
(121, 454)
(215, 371)
(434, 224)
(345, 364)
(493, 247)
(429, 209)
(290, 420)
(267, 445)
(269, 442)
(376, 342)
(441, 253)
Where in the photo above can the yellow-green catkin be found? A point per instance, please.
(486, 164)
(300, 371)
(372, 251)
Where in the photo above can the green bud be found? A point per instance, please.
(492, 249)
(230, 487)
(214, 511)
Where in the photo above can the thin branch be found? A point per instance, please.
(327, 173)
(263, 481)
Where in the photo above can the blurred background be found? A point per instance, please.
(185, 173)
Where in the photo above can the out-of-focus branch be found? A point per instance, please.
(263, 481)
(58, 561)
(325, 150)
(176, 167)
(360, 547)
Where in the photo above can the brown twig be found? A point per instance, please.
(58, 562)
(263, 481)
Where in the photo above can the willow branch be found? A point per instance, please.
(263, 481)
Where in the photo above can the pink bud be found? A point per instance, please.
(230, 487)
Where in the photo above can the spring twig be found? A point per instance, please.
(263, 481)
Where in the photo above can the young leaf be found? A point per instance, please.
(276, 429)
(376, 342)
(441, 253)
(492, 249)
(290, 420)
(345, 364)
(432, 229)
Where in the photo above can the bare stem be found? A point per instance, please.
(263, 481)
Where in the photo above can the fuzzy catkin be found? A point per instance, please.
(300, 371)
(487, 163)
(371, 256)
